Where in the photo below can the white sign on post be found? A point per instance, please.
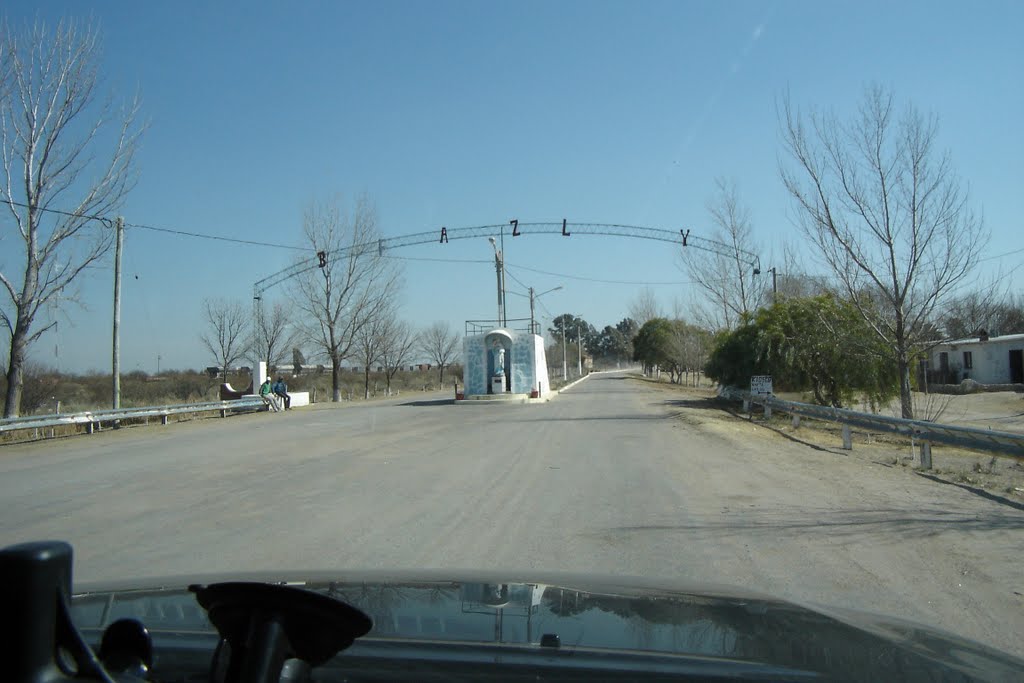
(761, 385)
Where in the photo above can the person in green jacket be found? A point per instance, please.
(267, 394)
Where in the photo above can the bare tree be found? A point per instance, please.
(57, 154)
(644, 307)
(791, 279)
(441, 345)
(731, 285)
(368, 346)
(990, 309)
(352, 287)
(886, 213)
(274, 334)
(688, 348)
(398, 341)
(225, 337)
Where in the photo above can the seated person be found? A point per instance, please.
(267, 394)
(280, 389)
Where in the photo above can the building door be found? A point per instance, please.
(1017, 366)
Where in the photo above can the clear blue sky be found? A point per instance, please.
(469, 113)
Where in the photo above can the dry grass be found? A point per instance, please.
(76, 393)
(1003, 476)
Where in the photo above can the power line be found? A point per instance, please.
(184, 233)
(439, 260)
(1009, 253)
(600, 280)
(516, 279)
(219, 238)
(106, 221)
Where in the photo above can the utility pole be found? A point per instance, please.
(579, 349)
(775, 284)
(501, 299)
(116, 370)
(499, 269)
(565, 368)
(504, 301)
(532, 327)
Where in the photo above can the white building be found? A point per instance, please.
(988, 360)
(504, 361)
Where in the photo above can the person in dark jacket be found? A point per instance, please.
(267, 394)
(281, 389)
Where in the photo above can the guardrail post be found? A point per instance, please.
(796, 421)
(223, 412)
(163, 419)
(767, 412)
(89, 427)
(746, 406)
(926, 455)
(847, 438)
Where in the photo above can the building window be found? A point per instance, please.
(968, 360)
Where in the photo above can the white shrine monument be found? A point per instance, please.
(503, 363)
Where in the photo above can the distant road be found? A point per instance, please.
(611, 477)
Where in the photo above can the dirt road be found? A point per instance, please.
(613, 477)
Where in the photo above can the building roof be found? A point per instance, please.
(976, 340)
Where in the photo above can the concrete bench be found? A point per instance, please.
(299, 398)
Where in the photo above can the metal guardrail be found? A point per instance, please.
(94, 418)
(1001, 443)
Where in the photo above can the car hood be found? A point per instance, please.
(576, 613)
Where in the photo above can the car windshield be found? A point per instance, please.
(719, 294)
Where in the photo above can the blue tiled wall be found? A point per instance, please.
(520, 358)
(474, 358)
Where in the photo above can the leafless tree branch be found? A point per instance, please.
(352, 289)
(886, 213)
(731, 288)
(440, 344)
(274, 335)
(55, 154)
(226, 334)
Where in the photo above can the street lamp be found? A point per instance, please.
(533, 297)
(499, 268)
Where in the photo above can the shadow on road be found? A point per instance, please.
(431, 402)
(708, 403)
(644, 418)
(976, 491)
(714, 403)
(892, 523)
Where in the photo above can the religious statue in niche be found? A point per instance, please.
(498, 355)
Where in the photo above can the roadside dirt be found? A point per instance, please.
(1002, 477)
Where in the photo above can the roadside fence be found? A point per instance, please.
(919, 431)
(95, 419)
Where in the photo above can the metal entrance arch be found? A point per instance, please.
(681, 237)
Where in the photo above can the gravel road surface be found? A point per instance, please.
(611, 477)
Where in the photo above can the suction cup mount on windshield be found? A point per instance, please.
(264, 626)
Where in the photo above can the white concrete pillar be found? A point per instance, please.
(259, 376)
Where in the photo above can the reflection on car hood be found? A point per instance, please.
(591, 613)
